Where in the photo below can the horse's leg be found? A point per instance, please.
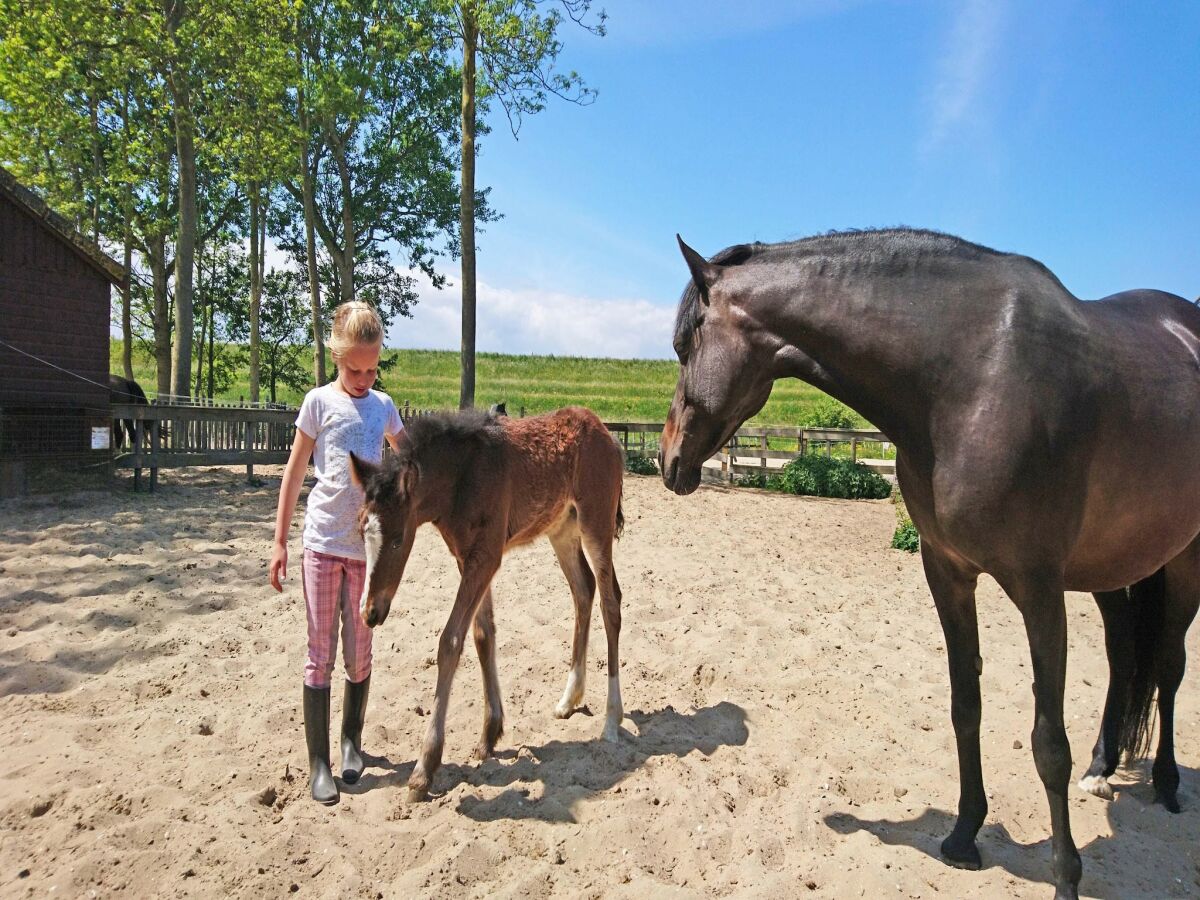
(477, 575)
(1039, 597)
(610, 607)
(1183, 596)
(1119, 629)
(485, 645)
(583, 588)
(953, 592)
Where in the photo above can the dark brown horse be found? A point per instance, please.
(1046, 441)
(490, 484)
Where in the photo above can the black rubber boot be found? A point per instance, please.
(316, 734)
(354, 713)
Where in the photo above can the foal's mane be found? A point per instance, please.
(438, 433)
(856, 246)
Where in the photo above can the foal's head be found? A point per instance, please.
(389, 522)
(725, 371)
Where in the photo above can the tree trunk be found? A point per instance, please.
(186, 243)
(205, 302)
(310, 241)
(126, 311)
(162, 313)
(212, 351)
(255, 289)
(346, 262)
(127, 288)
(466, 396)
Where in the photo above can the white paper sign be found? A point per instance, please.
(101, 438)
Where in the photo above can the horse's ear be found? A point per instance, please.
(704, 273)
(407, 479)
(362, 471)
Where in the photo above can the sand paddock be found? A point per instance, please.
(787, 726)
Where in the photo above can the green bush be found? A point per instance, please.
(829, 413)
(759, 480)
(640, 465)
(820, 476)
(906, 538)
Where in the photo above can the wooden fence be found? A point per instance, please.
(177, 436)
(763, 449)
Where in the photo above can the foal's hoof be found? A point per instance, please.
(611, 733)
(961, 855)
(563, 711)
(1096, 784)
(418, 790)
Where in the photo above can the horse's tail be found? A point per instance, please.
(1149, 601)
(620, 529)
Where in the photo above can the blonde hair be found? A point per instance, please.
(354, 323)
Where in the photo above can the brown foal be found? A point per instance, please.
(489, 484)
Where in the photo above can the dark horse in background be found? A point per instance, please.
(124, 390)
(1020, 416)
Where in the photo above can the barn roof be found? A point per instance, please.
(36, 207)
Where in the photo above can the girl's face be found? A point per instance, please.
(357, 368)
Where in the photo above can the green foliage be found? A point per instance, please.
(906, 538)
(829, 413)
(640, 465)
(820, 476)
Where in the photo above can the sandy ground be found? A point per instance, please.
(787, 730)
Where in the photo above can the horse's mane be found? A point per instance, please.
(852, 245)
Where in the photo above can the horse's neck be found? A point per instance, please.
(871, 340)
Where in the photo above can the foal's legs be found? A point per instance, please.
(485, 645)
(953, 592)
(600, 551)
(1039, 597)
(583, 588)
(1116, 609)
(477, 575)
(1183, 596)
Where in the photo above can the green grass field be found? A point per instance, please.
(630, 390)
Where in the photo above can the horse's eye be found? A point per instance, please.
(396, 543)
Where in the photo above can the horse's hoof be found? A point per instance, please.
(612, 734)
(1170, 801)
(483, 751)
(418, 790)
(961, 855)
(564, 710)
(1097, 785)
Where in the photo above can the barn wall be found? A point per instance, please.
(54, 305)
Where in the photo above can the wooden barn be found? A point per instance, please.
(54, 341)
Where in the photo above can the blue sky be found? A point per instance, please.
(1068, 131)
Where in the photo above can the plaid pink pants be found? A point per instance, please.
(333, 583)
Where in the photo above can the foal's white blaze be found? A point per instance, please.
(373, 538)
(1096, 784)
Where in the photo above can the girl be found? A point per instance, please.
(336, 419)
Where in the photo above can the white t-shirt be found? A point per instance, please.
(341, 424)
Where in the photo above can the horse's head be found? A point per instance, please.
(389, 523)
(725, 365)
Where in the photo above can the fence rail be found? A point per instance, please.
(750, 451)
(177, 436)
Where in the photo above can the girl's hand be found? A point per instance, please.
(278, 566)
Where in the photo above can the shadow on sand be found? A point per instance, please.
(1113, 867)
(571, 770)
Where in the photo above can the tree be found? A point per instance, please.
(375, 104)
(517, 47)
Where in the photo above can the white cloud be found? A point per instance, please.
(963, 69)
(538, 322)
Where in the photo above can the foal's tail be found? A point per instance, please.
(620, 529)
(1149, 601)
